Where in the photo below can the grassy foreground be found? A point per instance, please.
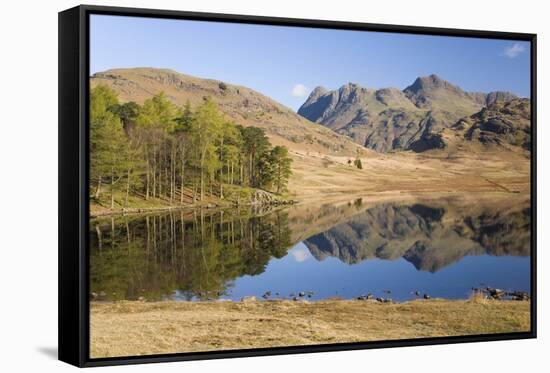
(139, 328)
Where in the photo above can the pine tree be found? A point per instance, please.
(158, 149)
(255, 146)
(357, 163)
(281, 167)
(182, 135)
(157, 119)
(206, 130)
(108, 143)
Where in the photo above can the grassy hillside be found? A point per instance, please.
(244, 105)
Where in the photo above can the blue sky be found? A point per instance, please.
(286, 63)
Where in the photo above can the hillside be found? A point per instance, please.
(245, 106)
(321, 167)
(502, 124)
(389, 119)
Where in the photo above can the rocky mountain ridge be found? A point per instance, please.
(500, 123)
(389, 119)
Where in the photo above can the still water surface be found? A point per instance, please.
(441, 248)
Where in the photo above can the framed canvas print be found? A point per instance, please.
(236, 186)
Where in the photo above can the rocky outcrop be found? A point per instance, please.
(261, 197)
(389, 119)
(503, 123)
(487, 99)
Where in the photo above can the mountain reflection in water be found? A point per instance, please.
(340, 250)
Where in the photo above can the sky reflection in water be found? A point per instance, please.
(441, 249)
(300, 271)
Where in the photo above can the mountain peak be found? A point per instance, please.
(394, 119)
(425, 83)
(432, 92)
(314, 96)
(317, 92)
(350, 87)
(435, 77)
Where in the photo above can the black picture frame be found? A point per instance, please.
(74, 173)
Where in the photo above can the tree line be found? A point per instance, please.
(158, 150)
(198, 254)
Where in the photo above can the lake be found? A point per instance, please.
(441, 247)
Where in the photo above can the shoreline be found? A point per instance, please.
(478, 294)
(191, 207)
(384, 176)
(138, 328)
(336, 197)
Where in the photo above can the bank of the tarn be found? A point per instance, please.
(142, 328)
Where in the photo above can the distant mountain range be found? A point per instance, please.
(430, 237)
(416, 118)
(429, 114)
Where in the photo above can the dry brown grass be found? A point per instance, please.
(136, 328)
(318, 176)
(479, 297)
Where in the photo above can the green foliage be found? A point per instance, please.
(266, 171)
(281, 167)
(109, 150)
(255, 147)
(185, 120)
(156, 150)
(358, 164)
(275, 168)
(152, 256)
(158, 113)
(127, 112)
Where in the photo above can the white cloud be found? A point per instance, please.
(513, 50)
(300, 254)
(300, 90)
